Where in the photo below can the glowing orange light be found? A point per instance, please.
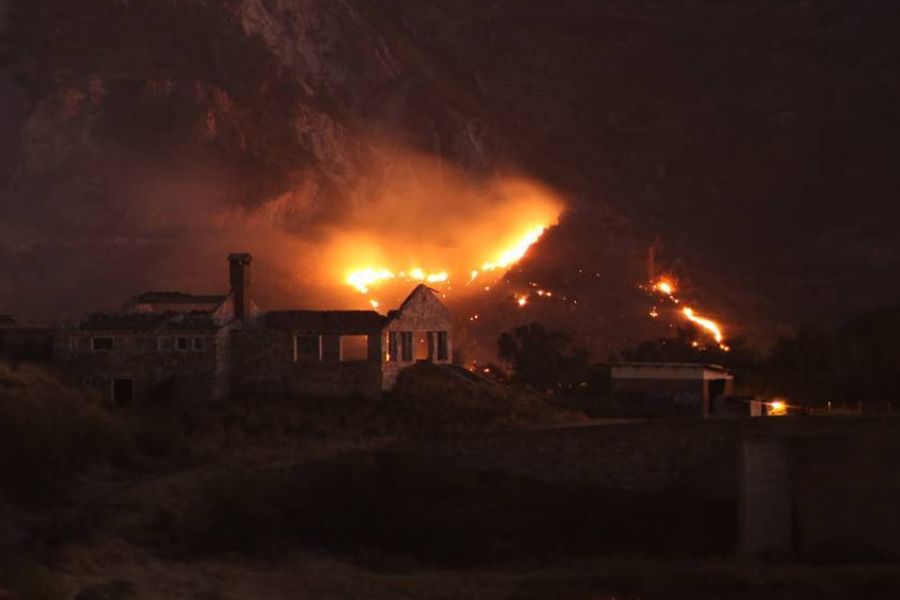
(365, 278)
(522, 301)
(777, 408)
(665, 286)
(514, 254)
(708, 324)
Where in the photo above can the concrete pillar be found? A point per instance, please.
(765, 525)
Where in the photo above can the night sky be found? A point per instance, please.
(748, 152)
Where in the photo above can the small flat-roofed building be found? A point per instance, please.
(670, 389)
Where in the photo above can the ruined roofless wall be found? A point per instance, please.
(263, 364)
(423, 312)
(183, 376)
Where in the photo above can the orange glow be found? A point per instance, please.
(666, 287)
(708, 324)
(363, 278)
(521, 300)
(428, 223)
(368, 277)
(777, 408)
(514, 254)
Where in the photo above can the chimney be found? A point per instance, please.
(239, 277)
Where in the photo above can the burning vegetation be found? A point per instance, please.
(408, 234)
(665, 288)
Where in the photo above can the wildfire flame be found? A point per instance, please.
(428, 223)
(512, 255)
(708, 324)
(666, 287)
(363, 280)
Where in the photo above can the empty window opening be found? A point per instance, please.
(307, 348)
(102, 344)
(354, 348)
(423, 345)
(164, 343)
(392, 347)
(122, 391)
(199, 343)
(183, 343)
(406, 341)
(443, 342)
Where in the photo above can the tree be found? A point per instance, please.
(803, 366)
(542, 358)
(683, 346)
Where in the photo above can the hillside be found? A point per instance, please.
(716, 134)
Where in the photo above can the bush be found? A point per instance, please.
(112, 590)
(33, 583)
(234, 512)
(50, 434)
(412, 509)
(429, 400)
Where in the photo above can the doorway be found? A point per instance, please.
(716, 387)
(122, 391)
(423, 346)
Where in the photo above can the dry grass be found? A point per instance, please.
(305, 576)
(51, 434)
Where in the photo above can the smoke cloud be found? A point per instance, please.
(132, 224)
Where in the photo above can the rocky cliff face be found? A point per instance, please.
(752, 146)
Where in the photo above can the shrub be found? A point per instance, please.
(112, 590)
(429, 400)
(234, 512)
(50, 433)
(33, 583)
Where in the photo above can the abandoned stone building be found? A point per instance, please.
(173, 345)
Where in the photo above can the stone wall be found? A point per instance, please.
(828, 493)
(263, 363)
(158, 375)
(423, 315)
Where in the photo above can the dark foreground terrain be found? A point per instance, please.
(440, 490)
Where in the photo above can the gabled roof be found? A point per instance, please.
(178, 298)
(419, 289)
(325, 321)
(193, 321)
(416, 290)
